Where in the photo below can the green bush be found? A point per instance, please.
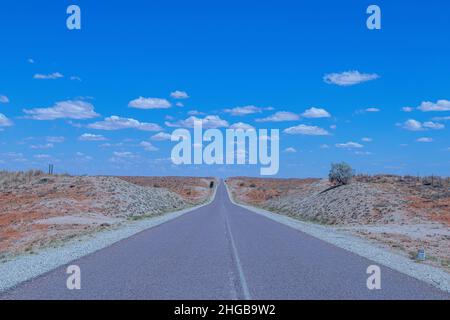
(340, 173)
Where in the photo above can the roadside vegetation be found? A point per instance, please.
(405, 213)
(39, 209)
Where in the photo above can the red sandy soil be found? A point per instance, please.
(404, 213)
(19, 210)
(257, 191)
(38, 210)
(192, 189)
(427, 202)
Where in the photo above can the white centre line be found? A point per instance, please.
(243, 282)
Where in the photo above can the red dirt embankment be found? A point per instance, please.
(404, 213)
(38, 210)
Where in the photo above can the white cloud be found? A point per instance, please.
(118, 123)
(30, 60)
(280, 116)
(148, 146)
(425, 140)
(42, 146)
(149, 103)
(42, 156)
(349, 145)
(179, 94)
(83, 157)
(349, 78)
(179, 104)
(367, 110)
(440, 105)
(433, 125)
(55, 139)
(333, 127)
(4, 121)
(75, 78)
(14, 156)
(195, 113)
(243, 111)
(110, 145)
(306, 130)
(408, 109)
(290, 150)
(124, 154)
(324, 146)
(209, 122)
(414, 125)
(365, 139)
(4, 99)
(70, 109)
(363, 153)
(91, 137)
(267, 138)
(124, 157)
(316, 113)
(52, 76)
(161, 136)
(447, 118)
(241, 125)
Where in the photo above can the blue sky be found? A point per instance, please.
(60, 89)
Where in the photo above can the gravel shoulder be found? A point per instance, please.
(39, 210)
(360, 246)
(401, 213)
(28, 266)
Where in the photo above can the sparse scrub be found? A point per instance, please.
(403, 213)
(11, 179)
(427, 181)
(71, 206)
(340, 173)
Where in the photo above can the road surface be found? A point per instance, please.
(223, 251)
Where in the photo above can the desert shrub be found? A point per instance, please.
(340, 173)
(12, 179)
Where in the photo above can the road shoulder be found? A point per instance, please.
(361, 247)
(28, 266)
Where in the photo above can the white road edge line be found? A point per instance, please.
(426, 273)
(26, 267)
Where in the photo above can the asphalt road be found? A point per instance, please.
(223, 251)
